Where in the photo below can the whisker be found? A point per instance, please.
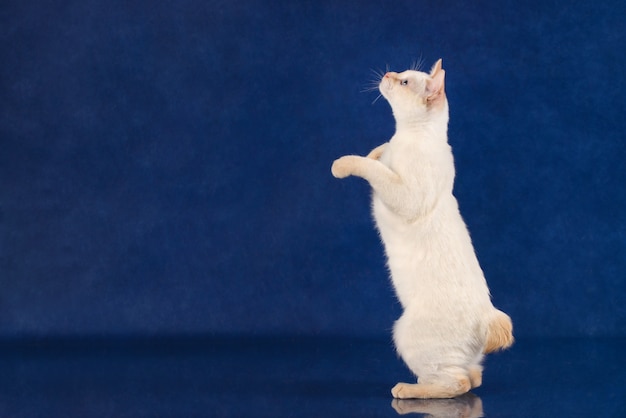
(371, 88)
(417, 64)
(373, 84)
(378, 73)
(377, 97)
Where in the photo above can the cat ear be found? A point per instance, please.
(435, 85)
(436, 68)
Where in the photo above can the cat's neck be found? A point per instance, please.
(430, 129)
(435, 124)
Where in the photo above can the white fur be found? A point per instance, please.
(442, 332)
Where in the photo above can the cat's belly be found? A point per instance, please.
(432, 261)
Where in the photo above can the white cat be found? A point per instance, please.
(448, 320)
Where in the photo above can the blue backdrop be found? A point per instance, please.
(165, 165)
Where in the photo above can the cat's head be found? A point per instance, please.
(416, 96)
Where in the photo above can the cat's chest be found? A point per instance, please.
(410, 158)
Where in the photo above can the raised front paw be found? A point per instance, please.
(344, 166)
(377, 152)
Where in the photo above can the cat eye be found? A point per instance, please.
(404, 82)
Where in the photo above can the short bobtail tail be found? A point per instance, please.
(499, 332)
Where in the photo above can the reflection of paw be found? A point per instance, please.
(343, 167)
(467, 405)
(402, 406)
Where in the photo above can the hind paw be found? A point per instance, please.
(402, 391)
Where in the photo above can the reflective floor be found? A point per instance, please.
(297, 377)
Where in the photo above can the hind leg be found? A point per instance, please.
(442, 364)
(450, 387)
(475, 374)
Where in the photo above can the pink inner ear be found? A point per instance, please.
(435, 85)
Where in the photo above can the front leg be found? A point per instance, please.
(387, 184)
(378, 175)
(345, 166)
(377, 152)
